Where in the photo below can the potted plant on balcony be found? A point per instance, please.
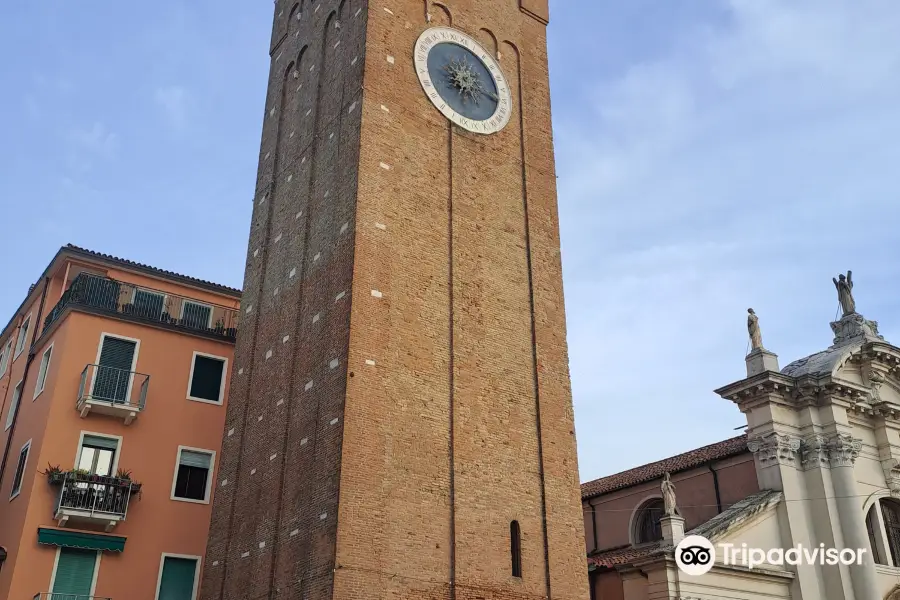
(54, 474)
(125, 477)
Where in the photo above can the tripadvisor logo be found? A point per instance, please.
(696, 555)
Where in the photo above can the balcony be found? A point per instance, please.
(92, 500)
(108, 296)
(53, 596)
(115, 392)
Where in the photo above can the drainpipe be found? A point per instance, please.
(716, 487)
(38, 325)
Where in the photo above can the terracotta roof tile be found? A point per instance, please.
(209, 284)
(673, 464)
(623, 555)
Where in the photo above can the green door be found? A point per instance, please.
(177, 582)
(75, 572)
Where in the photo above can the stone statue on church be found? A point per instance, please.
(844, 287)
(753, 329)
(668, 492)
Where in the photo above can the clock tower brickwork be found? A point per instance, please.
(401, 389)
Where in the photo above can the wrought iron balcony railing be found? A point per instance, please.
(93, 497)
(61, 596)
(115, 387)
(116, 297)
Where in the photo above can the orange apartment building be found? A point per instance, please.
(113, 385)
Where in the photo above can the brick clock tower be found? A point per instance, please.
(400, 423)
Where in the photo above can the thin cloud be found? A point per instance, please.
(97, 140)
(741, 165)
(174, 101)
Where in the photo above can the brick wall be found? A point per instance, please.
(421, 399)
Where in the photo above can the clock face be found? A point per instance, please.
(463, 80)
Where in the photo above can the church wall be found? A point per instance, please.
(609, 586)
(696, 496)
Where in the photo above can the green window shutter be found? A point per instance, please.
(114, 373)
(177, 582)
(101, 442)
(195, 459)
(74, 572)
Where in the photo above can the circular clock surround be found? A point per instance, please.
(462, 80)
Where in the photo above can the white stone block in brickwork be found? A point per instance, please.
(285, 339)
(309, 385)
(370, 362)
(259, 418)
(317, 256)
(334, 364)
(304, 441)
(334, 422)
(278, 237)
(245, 555)
(253, 471)
(262, 545)
(295, 532)
(344, 227)
(388, 11)
(380, 226)
(268, 355)
(230, 432)
(316, 318)
(275, 291)
(339, 296)
(240, 371)
(273, 457)
(293, 273)
(323, 516)
(377, 294)
(385, 166)
(249, 309)
(279, 403)
(224, 482)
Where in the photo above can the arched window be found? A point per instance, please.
(515, 548)
(647, 527)
(883, 525)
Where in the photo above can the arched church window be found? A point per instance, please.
(647, 526)
(515, 547)
(890, 513)
(872, 528)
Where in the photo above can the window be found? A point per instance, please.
(195, 315)
(74, 573)
(178, 577)
(883, 524)
(42, 372)
(647, 526)
(193, 475)
(115, 363)
(4, 357)
(16, 396)
(149, 304)
(871, 527)
(20, 470)
(23, 336)
(207, 382)
(515, 547)
(97, 455)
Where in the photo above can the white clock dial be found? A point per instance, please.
(463, 80)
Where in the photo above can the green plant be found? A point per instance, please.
(123, 474)
(52, 471)
(82, 472)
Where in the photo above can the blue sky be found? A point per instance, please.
(712, 155)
